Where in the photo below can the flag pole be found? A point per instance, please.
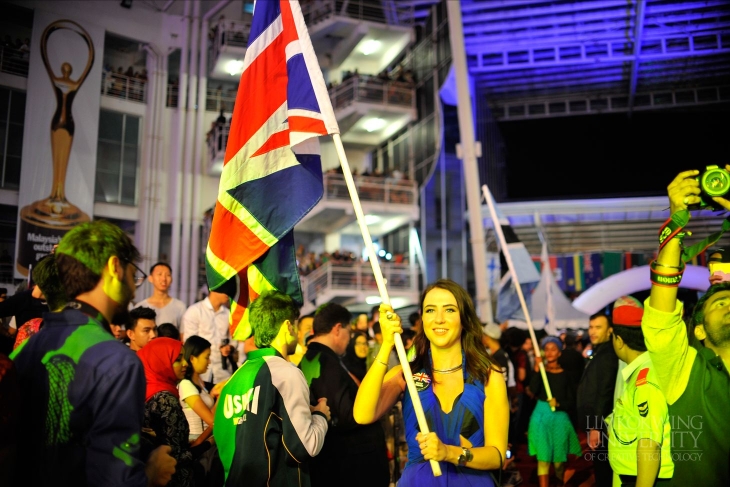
(377, 271)
(516, 284)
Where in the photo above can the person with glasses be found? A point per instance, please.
(168, 309)
(82, 392)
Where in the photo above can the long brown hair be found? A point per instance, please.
(478, 362)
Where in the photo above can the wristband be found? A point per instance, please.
(673, 227)
(665, 280)
(654, 265)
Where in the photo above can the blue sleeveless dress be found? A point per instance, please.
(465, 419)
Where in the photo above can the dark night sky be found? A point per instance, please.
(612, 155)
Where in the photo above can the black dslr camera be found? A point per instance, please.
(714, 182)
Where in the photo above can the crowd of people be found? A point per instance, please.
(16, 55)
(100, 391)
(129, 84)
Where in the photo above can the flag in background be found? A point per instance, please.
(508, 302)
(573, 273)
(272, 174)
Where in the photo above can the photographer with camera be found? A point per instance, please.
(695, 381)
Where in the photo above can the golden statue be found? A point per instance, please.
(46, 220)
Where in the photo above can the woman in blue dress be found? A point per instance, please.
(462, 391)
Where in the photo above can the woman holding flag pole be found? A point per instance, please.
(465, 403)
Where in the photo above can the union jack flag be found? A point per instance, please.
(421, 377)
(272, 173)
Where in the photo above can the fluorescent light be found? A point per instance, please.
(234, 67)
(373, 300)
(371, 219)
(370, 46)
(374, 124)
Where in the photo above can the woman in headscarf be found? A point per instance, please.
(551, 436)
(164, 367)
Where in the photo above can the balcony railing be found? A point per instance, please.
(356, 277)
(229, 33)
(369, 89)
(217, 140)
(124, 87)
(371, 189)
(215, 100)
(13, 61)
(372, 10)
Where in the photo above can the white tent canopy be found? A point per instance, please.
(551, 309)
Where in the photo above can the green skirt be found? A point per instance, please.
(551, 435)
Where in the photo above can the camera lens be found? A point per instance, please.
(715, 181)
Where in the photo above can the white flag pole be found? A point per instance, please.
(378, 273)
(516, 284)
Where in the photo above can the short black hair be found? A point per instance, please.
(267, 313)
(152, 269)
(698, 315)
(3, 290)
(408, 334)
(599, 315)
(373, 310)
(632, 336)
(328, 316)
(376, 327)
(45, 275)
(413, 318)
(141, 313)
(168, 330)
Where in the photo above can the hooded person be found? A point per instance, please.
(164, 367)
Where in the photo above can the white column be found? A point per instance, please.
(468, 146)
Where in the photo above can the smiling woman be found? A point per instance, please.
(464, 402)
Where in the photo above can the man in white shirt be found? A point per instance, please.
(168, 309)
(209, 319)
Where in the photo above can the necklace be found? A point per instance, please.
(448, 371)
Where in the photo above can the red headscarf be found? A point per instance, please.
(157, 357)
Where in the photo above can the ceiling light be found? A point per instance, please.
(234, 67)
(370, 46)
(371, 219)
(374, 124)
(373, 300)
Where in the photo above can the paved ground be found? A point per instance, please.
(579, 472)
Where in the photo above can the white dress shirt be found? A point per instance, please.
(200, 319)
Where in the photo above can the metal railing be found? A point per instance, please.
(370, 89)
(124, 87)
(232, 33)
(14, 61)
(372, 189)
(390, 13)
(217, 141)
(357, 277)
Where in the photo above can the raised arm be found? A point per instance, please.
(664, 330)
(684, 190)
(379, 391)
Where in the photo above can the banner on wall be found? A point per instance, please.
(60, 134)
